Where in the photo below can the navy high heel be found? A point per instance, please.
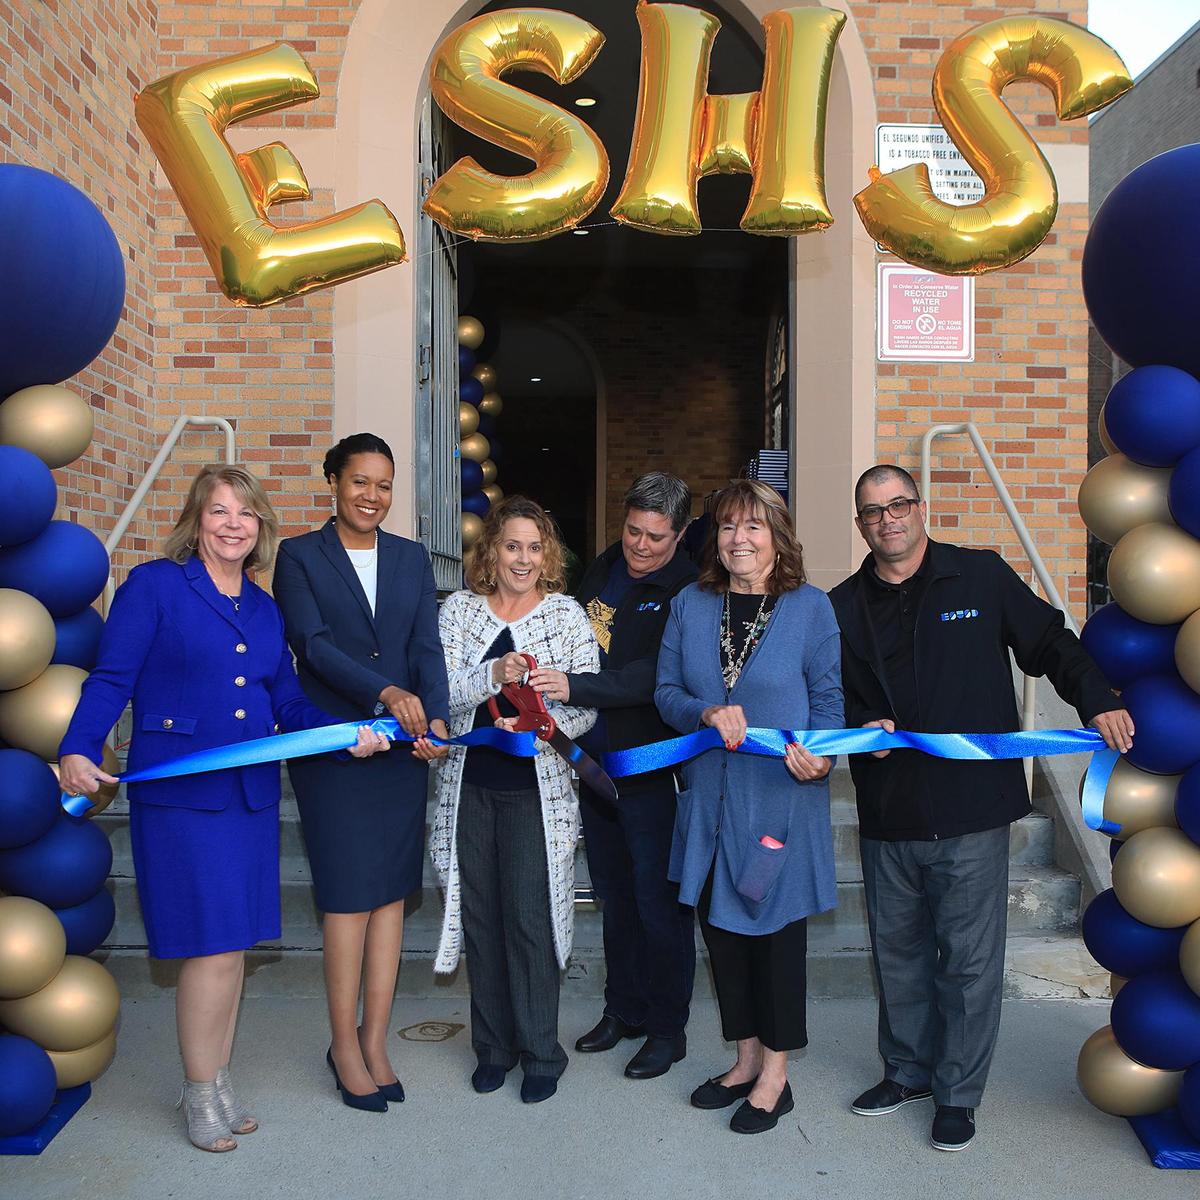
(371, 1102)
(389, 1091)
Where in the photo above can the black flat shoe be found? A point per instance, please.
(749, 1119)
(607, 1033)
(536, 1088)
(656, 1057)
(488, 1077)
(371, 1102)
(714, 1094)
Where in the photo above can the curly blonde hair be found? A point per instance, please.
(182, 541)
(481, 558)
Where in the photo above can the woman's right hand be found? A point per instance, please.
(79, 776)
(729, 721)
(888, 726)
(509, 669)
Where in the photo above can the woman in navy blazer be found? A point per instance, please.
(360, 609)
(199, 649)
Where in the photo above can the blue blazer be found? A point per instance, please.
(200, 674)
(345, 654)
(792, 680)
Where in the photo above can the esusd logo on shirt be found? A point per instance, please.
(649, 606)
(959, 614)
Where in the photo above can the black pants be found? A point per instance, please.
(761, 981)
(649, 938)
(509, 941)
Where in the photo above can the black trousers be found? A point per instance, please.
(649, 937)
(508, 937)
(761, 981)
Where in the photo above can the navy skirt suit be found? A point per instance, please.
(364, 821)
(200, 673)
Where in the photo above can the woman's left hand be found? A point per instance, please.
(804, 766)
(426, 750)
(554, 685)
(369, 742)
(508, 724)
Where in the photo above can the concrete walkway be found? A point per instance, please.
(602, 1136)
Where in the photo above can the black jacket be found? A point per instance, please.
(625, 687)
(974, 611)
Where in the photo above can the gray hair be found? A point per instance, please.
(881, 473)
(658, 492)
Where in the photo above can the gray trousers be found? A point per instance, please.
(938, 913)
(508, 937)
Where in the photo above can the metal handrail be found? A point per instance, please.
(152, 472)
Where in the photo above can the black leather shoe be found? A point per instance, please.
(607, 1032)
(714, 1094)
(953, 1127)
(886, 1097)
(536, 1088)
(656, 1057)
(393, 1091)
(488, 1077)
(749, 1119)
(368, 1102)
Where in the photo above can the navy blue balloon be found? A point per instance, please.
(65, 567)
(27, 1084)
(1153, 415)
(477, 503)
(64, 279)
(1125, 648)
(77, 639)
(66, 866)
(29, 798)
(470, 390)
(472, 475)
(487, 424)
(1189, 1102)
(1156, 1020)
(1183, 492)
(1166, 714)
(466, 361)
(1187, 804)
(89, 923)
(1141, 262)
(1122, 944)
(27, 495)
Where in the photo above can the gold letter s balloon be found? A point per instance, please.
(571, 170)
(226, 196)
(1021, 201)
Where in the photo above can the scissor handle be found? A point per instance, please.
(532, 714)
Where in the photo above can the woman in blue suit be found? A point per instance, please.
(199, 649)
(360, 609)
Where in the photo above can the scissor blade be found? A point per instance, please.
(586, 768)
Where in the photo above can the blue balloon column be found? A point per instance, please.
(64, 291)
(478, 450)
(1139, 273)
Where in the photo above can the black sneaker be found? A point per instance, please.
(953, 1127)
(886, 1097)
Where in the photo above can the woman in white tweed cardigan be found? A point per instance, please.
(513, 567)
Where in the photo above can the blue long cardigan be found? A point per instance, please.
(792, 680)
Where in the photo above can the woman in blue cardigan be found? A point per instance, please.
(199, 649)
(751, 644)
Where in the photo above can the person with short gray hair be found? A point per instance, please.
(649, 944)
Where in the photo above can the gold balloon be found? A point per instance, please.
(26, 638)
(107, 792)
(1187, 652)
(1154, 574)
(1115, 984)
(1136, 800)
(777, 134)
(570, 164)
(75, 1009)
(470, 332)
(226, 196)
(1021, 198)
(1189, 957)
(35, 717)
(1102, 430)
(1117, 1085)
(32, 946)
(468, 419)
(475, 447)
(1157, 878)
(491, 405)
(494, 492)
(1118, 495)
(489, 471)
(49, 421)
(486, 374)
(73, 1067)
(472, 527)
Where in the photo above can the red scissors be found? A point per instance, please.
(534, 717)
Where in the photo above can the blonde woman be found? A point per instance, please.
(505, 832)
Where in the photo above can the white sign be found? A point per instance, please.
(925, 317)
(953, 181)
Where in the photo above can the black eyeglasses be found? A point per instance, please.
(872, 514)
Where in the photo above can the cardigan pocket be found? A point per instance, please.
(760, 870)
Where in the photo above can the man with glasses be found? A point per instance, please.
(927, 628)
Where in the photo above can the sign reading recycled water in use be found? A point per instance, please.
(953, 181)
(925, 317)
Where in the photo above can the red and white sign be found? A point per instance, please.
(924, 317)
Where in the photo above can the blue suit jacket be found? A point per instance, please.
(200, 674)
(347, 656)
